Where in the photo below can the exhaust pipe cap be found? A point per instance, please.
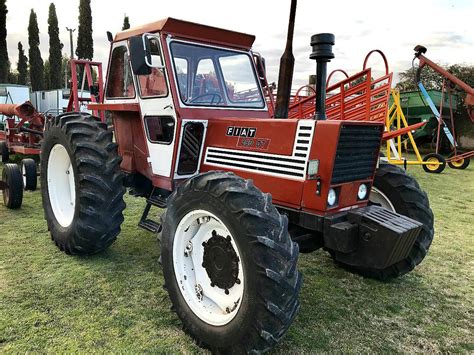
(322, 46)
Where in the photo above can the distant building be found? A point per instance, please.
(54, 102)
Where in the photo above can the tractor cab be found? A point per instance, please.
(165, 82)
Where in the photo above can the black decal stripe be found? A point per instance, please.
(226, 159)
(257, 168)
(289, 160)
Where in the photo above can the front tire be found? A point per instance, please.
(229, 264)
(393, 189)
(81, 183)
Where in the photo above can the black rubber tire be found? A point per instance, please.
(28, 171)
(439, 168)
(465, 163)
(98, 178)
(13, 195)
(410, 200)
(269, 260)
(4, 153)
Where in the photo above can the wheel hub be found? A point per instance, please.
(221, 261)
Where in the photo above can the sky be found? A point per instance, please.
(443, 26)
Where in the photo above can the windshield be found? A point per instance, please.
(210, 76)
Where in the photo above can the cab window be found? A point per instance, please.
(120, 80)
(154, 84)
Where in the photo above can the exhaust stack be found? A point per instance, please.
(322, 52)
(287, 63)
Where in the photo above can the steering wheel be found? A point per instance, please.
(215, 98)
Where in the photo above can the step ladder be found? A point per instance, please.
(147, 223)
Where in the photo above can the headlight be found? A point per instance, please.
(313, 167)
(362, 193)
(332, 197)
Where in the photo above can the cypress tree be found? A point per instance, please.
(4, 62)
(85, 44)
(47, 75)
(36, 62)
(22, 66)
(126, 23)
(55, 48)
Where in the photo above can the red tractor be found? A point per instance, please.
(244, 192)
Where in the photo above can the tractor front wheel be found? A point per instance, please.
(13, 193)
(394, 190)
(229, 264)
(81, 183)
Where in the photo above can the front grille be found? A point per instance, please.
(356, 153)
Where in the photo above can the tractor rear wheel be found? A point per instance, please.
(4, 153)
(81, 183)
(229, 264)
(13, 194)
(395, 190)
(28, 171)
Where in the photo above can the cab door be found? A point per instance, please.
(158, 114)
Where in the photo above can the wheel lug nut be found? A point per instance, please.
(237, 281)
(226, 292)
(212, 284)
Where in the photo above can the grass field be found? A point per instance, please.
(114, 302)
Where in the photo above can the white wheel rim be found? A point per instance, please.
(377, 197)
(61, 185)
(213, 305)
(23, 172)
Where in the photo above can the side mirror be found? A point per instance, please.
(138, 56)
(142, 57)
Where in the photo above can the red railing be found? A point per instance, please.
(359, 97)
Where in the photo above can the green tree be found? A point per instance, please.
(47, 75)
(55, 49)
(433, 80)
(22, 66)
(34, 54)
(85, 43)
(4, 62)
(126, 23)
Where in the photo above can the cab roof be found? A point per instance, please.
(193, 31)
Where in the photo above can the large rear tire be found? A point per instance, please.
(395, 190)
(81, 183)
(13, 194)
(229, 264)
